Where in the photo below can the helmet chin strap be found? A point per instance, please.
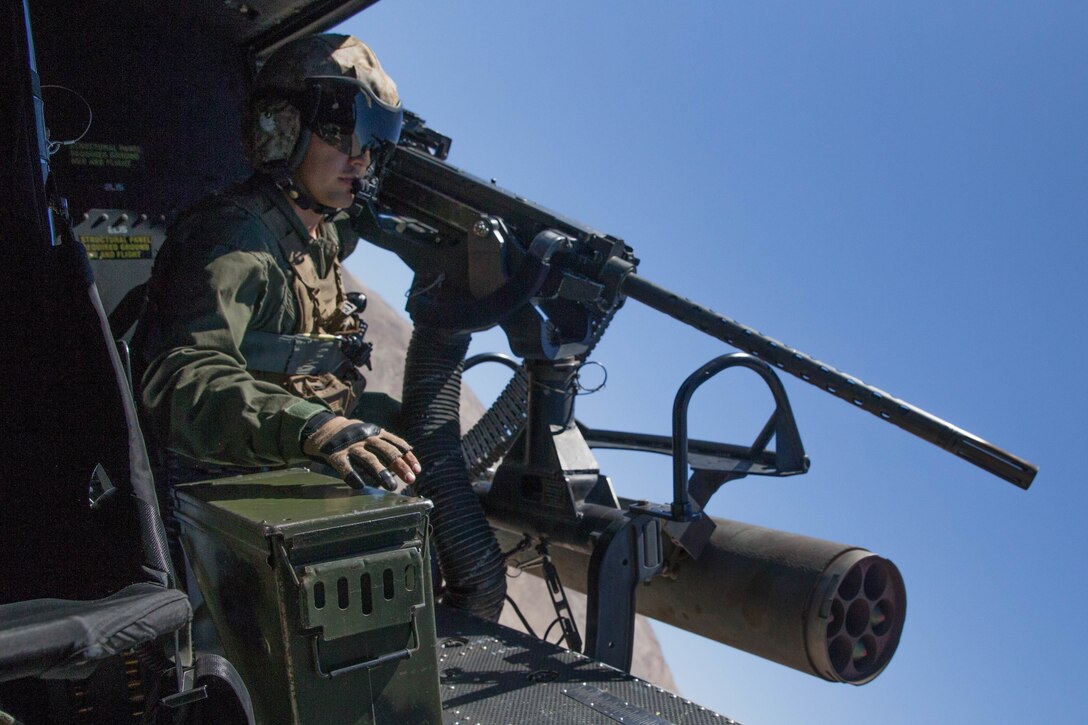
(297, 193)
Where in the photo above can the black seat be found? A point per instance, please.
(66, 639)
(86, 577)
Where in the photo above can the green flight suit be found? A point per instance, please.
(223, 272)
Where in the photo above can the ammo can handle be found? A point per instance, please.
(386, 658)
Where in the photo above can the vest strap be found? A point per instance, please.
(293, 354)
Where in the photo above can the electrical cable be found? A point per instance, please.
(55, 146)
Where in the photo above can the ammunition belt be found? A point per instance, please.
(491, 438)
(487, 442)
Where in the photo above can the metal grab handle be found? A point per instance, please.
(495, 357)
(789, 454)
(386, 658)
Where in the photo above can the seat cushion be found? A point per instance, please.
(62, 639)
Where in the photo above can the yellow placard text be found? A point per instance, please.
(117, 246)
(117, 156)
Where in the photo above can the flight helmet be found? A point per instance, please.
(327, 85)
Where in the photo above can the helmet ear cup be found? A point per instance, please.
(272, 134)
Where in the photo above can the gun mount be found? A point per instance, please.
(575, 278)
(484, 256)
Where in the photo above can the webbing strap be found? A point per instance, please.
(292, 354)
(286, 354)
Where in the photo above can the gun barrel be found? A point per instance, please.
(420, 186)
(914, 420)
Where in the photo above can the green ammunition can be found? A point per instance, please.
(321, 595)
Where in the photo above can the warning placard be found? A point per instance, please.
(117, 246)
(117, 156)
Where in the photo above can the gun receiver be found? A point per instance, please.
(485, 256)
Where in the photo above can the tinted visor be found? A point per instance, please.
(349, 117)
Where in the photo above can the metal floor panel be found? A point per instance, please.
(493, 675)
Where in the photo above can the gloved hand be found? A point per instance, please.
(359, 451)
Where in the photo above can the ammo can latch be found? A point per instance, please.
(361, 594)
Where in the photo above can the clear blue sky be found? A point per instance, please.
(900, 190)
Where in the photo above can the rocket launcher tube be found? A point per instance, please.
(829, 610)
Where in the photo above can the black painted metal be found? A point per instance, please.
(492, 674)
(449, 202)
(558, 593)
(628, 551)
(613, 707)
(788, 460)
(914, 420)
(550, 471)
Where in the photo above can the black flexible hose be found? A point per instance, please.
(468, 553)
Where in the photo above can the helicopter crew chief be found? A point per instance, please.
(248, 348)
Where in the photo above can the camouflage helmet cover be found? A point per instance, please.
(272, 124)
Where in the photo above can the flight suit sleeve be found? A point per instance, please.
(196, 390)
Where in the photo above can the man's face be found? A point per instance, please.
(328, 175)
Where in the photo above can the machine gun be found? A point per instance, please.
(483, 256)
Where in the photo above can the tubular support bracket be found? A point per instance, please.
(789, 457)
